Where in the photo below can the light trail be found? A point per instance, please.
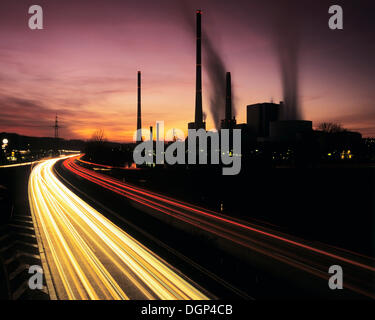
(20, 164)
(91, 258)
(286, 249)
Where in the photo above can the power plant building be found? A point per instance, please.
(290, 130)
(259, 117)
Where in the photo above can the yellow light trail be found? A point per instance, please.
(90, 257)
(20, 164)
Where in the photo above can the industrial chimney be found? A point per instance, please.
(228, 98)
(228, 122)
(139, 119)
(198, 121)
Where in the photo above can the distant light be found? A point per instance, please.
(5, 141)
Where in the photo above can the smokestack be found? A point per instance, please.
(228, 99)
(139, 118)
(228, 122)
(198, 94)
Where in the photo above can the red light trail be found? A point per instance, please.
(240, 232)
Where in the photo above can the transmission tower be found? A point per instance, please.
(56, 128)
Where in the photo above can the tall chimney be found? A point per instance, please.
(228, 99)
(228, 122)
(151, 133)
(139, 118)
(198, 94)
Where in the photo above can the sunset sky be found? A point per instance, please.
(83, 65)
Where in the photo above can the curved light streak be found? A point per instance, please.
(89, 256)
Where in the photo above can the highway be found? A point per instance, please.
(297, 257)
(89, 257)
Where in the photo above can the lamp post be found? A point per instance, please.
(5, 144)
(4, 150)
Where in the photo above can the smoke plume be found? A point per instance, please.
(216, 72)
(287, 47)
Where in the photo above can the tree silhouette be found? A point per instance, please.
(98, 136)
(331, 127)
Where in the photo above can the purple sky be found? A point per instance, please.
(83, 65)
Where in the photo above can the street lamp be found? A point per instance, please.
(5, 144)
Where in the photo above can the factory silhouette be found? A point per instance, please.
(272, 132)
